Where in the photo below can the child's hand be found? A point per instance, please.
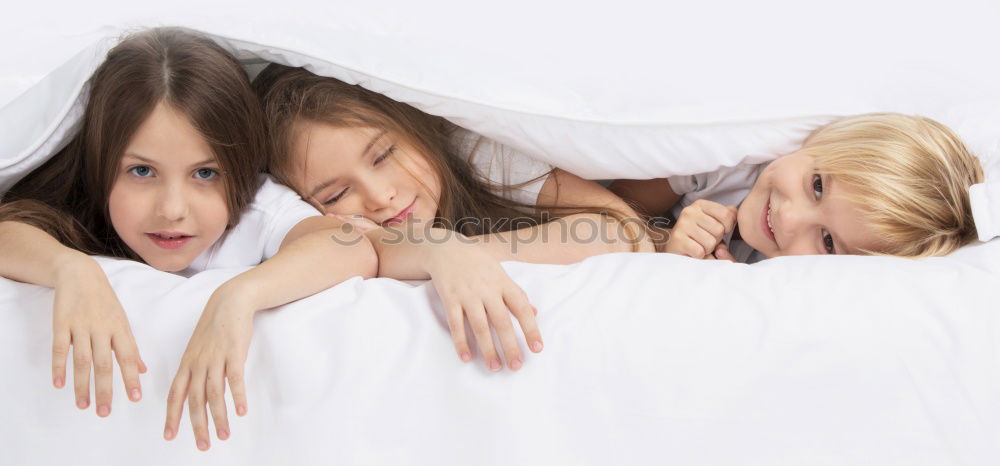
(473, 285)
(88, 316)
(217, 352)
(700, 229)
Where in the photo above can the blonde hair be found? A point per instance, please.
(909, 175)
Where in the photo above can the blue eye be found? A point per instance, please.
(817, 185)
(141, 171)
(206, 174)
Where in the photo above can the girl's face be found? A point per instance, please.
(364, 171)
(792, 210)
(168, 203)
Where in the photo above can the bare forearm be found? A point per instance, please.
(403, 252)
(31, 255)
(564, 241)
(306, 266)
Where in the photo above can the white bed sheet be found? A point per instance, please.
(649, 359)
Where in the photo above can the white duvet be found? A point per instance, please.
(649, 359)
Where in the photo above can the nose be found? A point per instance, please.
(172, 202)
(797, 217)
(379, 195)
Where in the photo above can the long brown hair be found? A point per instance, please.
(290, 94)
(68, 195)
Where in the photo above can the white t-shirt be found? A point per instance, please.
(726, 186)
(275, 210)
(513, 175)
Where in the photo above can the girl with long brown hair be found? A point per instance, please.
(438, 201)
(166, 169)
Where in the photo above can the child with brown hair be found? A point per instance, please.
(438, 201)
(166, 169)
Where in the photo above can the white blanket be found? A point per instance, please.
(649, 359)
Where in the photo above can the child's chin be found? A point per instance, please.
(172, 265)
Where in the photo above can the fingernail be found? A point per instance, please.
(58, 382)
(514, 364)
(82, 403)
(466, 357)
(168, 434)
(136, 394)
(103, 410)
(536, 346)
(494, 365)
(241, 410)
(202, 445)
(222, 433)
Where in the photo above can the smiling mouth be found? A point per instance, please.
(767, 226)
(402, 215)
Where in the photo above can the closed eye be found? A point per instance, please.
(385, 155)
(336, 197)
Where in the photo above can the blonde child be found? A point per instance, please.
(880, 183)
(166, 169)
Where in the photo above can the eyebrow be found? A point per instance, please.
(152, 162)
(328, 183)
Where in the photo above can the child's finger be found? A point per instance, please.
(481, 331)
(456, 326)
(215, 391)
(103, 373)
(500, 317)
(725, 215)
(691, 248)
(196, 409)
(722, 253)
(81, 369)
(128, 362)
(60, 353)
(712, 226)
(234, 372)
(517, 302)
(175, 401)
(697, 243)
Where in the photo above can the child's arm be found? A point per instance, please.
(650, 197)
(86, 313)
(575, 237)
(317, 254)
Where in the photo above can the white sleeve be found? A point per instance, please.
(274, 211)
(513, 175)
(283, 209)
(684, 184)
(726, 186)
